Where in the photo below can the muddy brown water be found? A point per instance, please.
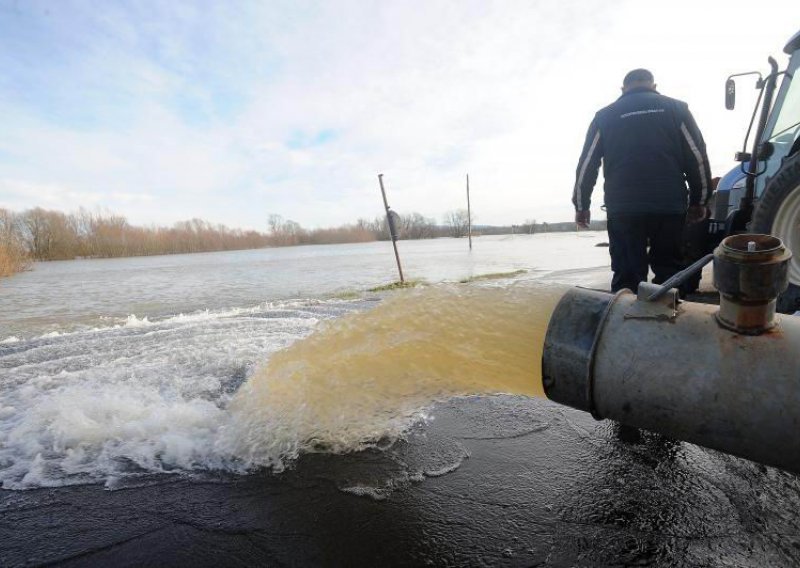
(365, 377)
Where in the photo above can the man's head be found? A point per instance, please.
(638, 79)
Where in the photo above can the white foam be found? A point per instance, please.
(52, 334)
(374, 493)
(409, 474)
(143, 396)
(134, 321)
(449, 468)
(153, 396)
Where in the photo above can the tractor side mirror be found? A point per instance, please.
(730, 94)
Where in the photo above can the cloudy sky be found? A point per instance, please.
(232, 110)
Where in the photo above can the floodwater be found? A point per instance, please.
(59, 296)
(169, 377)
(112, 370)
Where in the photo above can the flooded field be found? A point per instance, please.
(259, 424)
(103, 381)
(84, 294)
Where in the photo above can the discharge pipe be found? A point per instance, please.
(726, 377)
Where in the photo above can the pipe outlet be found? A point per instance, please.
(750, 272)
(676, 370)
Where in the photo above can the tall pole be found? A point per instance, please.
(392, 234)
(469, 216)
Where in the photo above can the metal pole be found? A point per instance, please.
(391, 234)
(469, 216)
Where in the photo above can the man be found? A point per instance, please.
(650, 147)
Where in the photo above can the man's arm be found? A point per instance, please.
(696, 167)
(588, 166)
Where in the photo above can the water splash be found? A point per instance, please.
(190, 393)
(367, 377)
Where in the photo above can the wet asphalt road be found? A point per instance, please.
(537, 485)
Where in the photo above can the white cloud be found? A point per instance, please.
(16, 194)
(421, 91)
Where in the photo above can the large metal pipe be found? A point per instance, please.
(679, 369)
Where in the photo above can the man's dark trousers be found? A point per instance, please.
(630, 234)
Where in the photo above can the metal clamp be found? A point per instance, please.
(663, 308)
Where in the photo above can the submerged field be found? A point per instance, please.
(266, 407)
(94, 394)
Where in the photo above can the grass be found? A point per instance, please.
(347, 295)
(396, 286)
(492, 276)
(414, 283)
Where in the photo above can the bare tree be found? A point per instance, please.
(13, 257)
(416, 226)
(458, 222)
(40, 234)
(529, 226)
(275, 223)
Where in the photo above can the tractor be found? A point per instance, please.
(762, 193)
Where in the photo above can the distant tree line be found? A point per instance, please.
(531, 227)
(408, 225)
(284, 232)
(40, 234)
(14, 256)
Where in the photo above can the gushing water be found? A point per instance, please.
(363, 378)
(192, 393)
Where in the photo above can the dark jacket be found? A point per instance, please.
(650, 147)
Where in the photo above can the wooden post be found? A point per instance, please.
(390, 223)
(469, 216)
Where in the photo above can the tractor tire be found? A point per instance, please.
(778, 213)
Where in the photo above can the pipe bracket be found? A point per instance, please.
(663, 308)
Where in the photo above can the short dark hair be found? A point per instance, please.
(637, 76)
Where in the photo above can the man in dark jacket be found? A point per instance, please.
(650, 147)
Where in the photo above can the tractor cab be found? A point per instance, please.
(762, 193)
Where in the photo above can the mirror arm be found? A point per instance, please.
(746, 204)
